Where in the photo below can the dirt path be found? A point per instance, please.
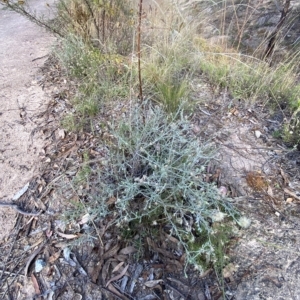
(24, 48)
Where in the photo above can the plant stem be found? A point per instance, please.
(273, 35)
(19, 9)
(139, 49)
(88, 4)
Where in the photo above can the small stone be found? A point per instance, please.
(222, 191)
(39, 265)
(257, 133)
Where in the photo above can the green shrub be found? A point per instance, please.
(79, 59)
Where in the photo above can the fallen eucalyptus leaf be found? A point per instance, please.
(117, 267)
(152, 283)
(67, 236)
(35, 285)
(128, 250)
(118, 276)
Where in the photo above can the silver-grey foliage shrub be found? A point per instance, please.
(156, 172)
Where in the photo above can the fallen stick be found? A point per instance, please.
(19, 210)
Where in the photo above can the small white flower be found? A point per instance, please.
(196, 267)
(192, 239)
(178, 221)
(244, 222)
(218, 216)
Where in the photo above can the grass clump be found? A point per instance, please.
(247, 77)
(101, 77)
(107, 24)
(156, 174)
(171, 94)
(166, 75)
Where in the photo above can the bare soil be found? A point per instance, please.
(263, 177)
(24, 49)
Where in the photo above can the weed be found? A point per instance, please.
(219, 238)
(277, 134)
(77, 211)
(156, 173)
(168, 70)
(70, 123)
(87, 107)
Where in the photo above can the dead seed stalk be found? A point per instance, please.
(139, 49)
